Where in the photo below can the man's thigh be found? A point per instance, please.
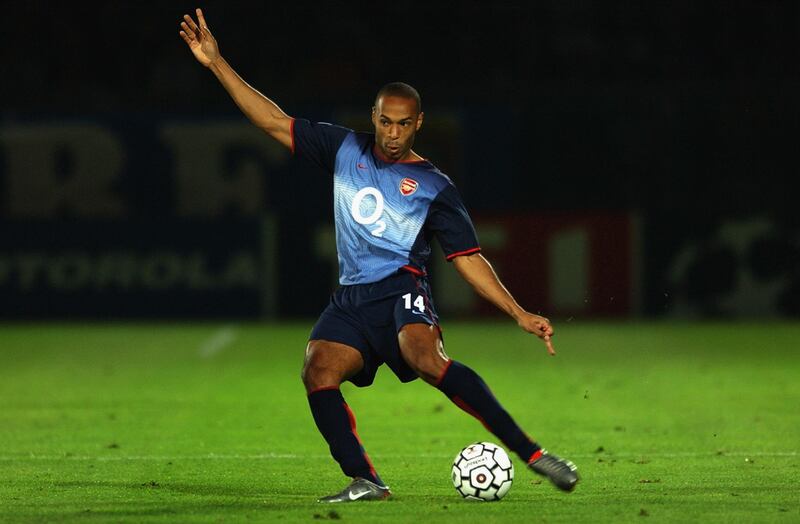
(423, 351)
(399, 301)
(340, 329)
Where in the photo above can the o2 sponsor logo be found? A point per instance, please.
(374, 218)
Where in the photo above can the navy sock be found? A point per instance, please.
(338, 425)
(469, 392)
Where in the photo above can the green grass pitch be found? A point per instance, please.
(674, 422)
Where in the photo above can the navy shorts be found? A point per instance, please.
(368, 317)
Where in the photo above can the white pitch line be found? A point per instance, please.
(290, 456)
(221, 339)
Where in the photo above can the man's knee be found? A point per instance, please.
(422, 350)
(315, 376)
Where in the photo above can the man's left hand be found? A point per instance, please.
(540, 327)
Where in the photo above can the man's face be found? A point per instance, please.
(396, 121)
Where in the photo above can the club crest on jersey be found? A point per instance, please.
(408, 186)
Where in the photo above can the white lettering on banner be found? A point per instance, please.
(355, 210)
(72, 168)
(325, 248)
(69, 271)
(51, 168)
(207, 185)
(118, 269)
(747, 292)
(128, 271)
(161, 271)
(29, 266)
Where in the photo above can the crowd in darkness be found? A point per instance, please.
(685, 113)
(652, 94)
(126, 56)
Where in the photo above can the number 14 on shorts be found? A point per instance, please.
(419, 302)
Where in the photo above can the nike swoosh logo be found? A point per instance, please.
(356, 496)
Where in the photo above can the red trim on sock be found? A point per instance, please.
(326, 388)
(466, 407)
(352, 418)
(444, 372)
(535, 456)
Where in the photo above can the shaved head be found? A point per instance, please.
(401, 90)
(397, 116)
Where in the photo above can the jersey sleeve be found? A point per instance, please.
(318, 142)
(450, 223)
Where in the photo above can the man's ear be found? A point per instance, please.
(420, 118)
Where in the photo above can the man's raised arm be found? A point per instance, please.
(476, 270)
(262, 111)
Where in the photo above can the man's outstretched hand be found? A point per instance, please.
(540, 327)
(199, 39)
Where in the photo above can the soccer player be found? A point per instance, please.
(389, 202)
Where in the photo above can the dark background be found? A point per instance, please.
(685, 113)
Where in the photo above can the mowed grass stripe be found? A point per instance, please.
(276, 456)
(127, 423)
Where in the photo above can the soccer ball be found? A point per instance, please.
(482, 471)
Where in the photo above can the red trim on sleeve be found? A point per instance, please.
(451, 256)
(413, 270)
(291, 134)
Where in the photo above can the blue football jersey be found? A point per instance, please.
(386, 213)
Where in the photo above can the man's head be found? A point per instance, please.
(397, 116)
